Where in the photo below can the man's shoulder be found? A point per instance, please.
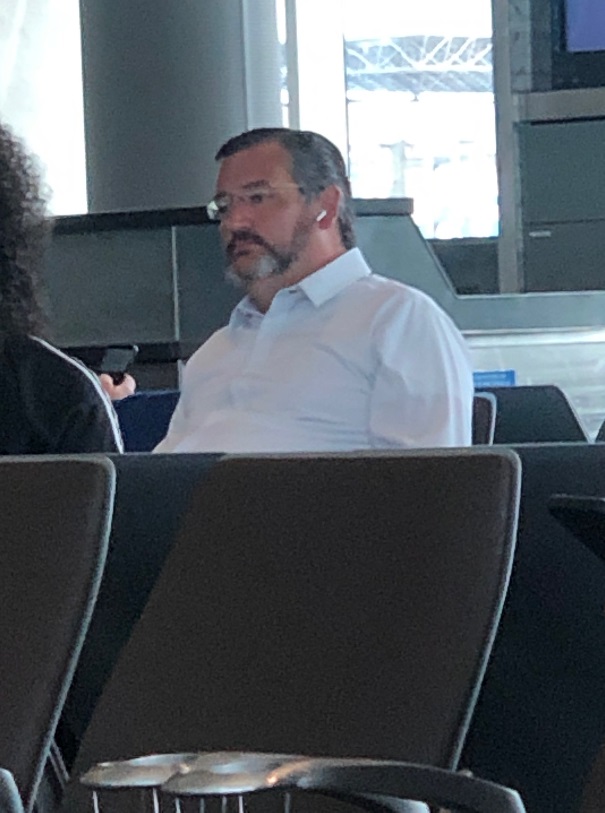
(59, 397)
(379, 290)
(33, 354)
(392, 305)
(42, 352)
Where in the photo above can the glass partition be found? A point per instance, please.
(406, 91)
(41, 92)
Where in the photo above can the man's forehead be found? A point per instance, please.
(264, 163)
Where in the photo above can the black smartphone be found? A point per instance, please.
(116, 361)
(113, 360)
(583, 516)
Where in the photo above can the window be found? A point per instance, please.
(41, 92)
(406, 91)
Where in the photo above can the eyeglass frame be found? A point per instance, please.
(213, 210)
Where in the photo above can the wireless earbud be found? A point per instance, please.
(321, 215)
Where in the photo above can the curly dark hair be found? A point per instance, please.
(24, 229)
(316, 164)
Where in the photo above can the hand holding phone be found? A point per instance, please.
(116, 360)
(113, 360)
(116, 392)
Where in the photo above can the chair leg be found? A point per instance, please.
(52, 785)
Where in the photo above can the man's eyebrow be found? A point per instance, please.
(256, 185)
(250, 185)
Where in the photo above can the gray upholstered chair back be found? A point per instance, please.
(54, 526)
(484, 418)
(538, 413)
(336, 605)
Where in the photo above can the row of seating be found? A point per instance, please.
(540, 717)
(313, 605)
(541, 714)
(502, 415)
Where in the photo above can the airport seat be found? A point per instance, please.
(540, 718)
(535, 414)
(54, 527)
(484, 418)
(529, 414)
(319, 605)
(144, 418)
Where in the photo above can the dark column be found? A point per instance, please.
(165, 83)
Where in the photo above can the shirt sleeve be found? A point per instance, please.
(423, 391)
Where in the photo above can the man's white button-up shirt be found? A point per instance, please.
(343, 360)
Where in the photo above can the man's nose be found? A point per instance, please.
(238, 214)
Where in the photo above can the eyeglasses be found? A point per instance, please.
(220, 206)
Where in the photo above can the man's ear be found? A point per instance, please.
(329, 203)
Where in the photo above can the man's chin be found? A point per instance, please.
(243, 275)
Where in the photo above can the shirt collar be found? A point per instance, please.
(318, 287)
(327, 282)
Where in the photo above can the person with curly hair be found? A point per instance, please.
(49, 403)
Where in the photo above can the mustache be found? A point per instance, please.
(244, 236)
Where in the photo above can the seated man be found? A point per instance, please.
(321, 354)
(50, 403)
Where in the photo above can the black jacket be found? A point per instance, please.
(50, 403)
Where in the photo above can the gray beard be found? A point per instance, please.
(272, 264)
(265, 266)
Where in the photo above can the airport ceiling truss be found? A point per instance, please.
(420, 63)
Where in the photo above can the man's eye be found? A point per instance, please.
(221, 206)
(257, 197)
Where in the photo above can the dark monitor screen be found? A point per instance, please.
(577, 54)
(584, 25)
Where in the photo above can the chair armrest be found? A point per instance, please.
(373, 784)
(390, 781)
